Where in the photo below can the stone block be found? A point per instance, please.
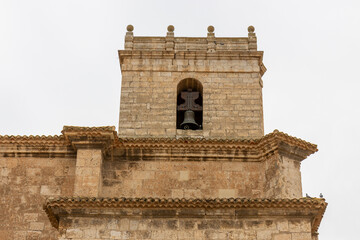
(282, 236)
(36, 226)
(74, 233)
(112, 224)
(18, 235)
(184, 176)
(227, 193)
(90, 233)
(177, 193)
(115, 234)
(9, 163)
(4, 172)
(301, 236)
(50, 190)
(33, 235)
(31, 217)
(143, 175)
(7, 234)
(124, 224)
(282, 225)
(305, 226)
(295, 225)
(134, 224)
(264, 234)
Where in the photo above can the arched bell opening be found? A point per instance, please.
(189, 105)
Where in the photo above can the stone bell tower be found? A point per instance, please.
(226, 72)
(190, 159)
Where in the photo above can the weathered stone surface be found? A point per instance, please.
(25, 188)
(230, 74)
(179, 179)
(186, 228)
(88, 179)
(218, 161)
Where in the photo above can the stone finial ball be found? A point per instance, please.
(130, 28)
(251, 29)
(171, 28)
(211, 29)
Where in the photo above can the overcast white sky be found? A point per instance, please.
(59, 66)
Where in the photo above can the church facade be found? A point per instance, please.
(189, 160)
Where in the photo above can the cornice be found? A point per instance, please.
(90, 137)
(106, 138)
(255, 149)
(104, 202)
(193, 55)
(33, 140)
(235, 55)
(53, 205)
(275, 136)
(88, 129)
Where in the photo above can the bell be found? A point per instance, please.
(189, 121)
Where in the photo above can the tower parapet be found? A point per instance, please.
(208, 44)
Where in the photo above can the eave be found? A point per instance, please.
(312, 208)
(149, 148)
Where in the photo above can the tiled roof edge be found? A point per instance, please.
(33, 140)
(55, 139)
(161, 203)
(159, 142)
(230, 143)
(186, 202)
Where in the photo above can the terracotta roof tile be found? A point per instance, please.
(318, 204)
(185, 202)
(33, 140)
(270, 140)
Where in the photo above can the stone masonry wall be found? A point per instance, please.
(232, 97)
(282, 177)
(25, 183)
(182, 179)
(88, 172)
(187, 228)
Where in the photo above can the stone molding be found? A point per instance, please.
(276, 135)
(249, 149)
(90, 137)
(188, 55)
(198, 55)
(311, 207)
(106, 138)
(35, 146)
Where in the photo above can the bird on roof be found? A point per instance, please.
(307, 195)
(321, 195)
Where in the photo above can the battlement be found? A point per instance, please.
(208, 44)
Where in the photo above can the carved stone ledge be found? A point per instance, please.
(203, 149)
(90, 137)
(313, 208)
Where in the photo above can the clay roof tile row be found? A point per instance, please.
(161, 203)
(166, 142)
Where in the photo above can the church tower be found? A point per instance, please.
(189, 161)
(226, 73)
